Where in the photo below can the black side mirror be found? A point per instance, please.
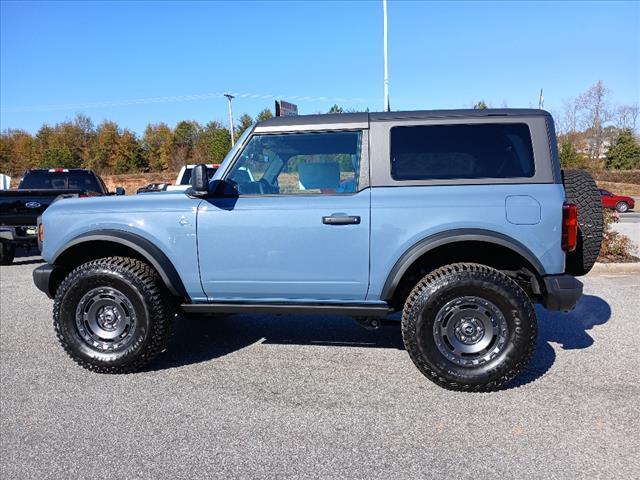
(120, 191)
(200, 180)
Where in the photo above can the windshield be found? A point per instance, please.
(42, 179)
(232, 153)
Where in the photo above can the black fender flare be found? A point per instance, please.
(147, 249)
(453, 236)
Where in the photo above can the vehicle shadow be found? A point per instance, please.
(200, 339)
(570, 331)
(27, 256)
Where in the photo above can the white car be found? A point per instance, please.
(184, 176)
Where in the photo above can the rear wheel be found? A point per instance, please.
(469, 327)
(7, 253)
(581, 190)
(112, 315)
(622, 207)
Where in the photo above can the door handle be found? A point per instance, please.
(341, 220)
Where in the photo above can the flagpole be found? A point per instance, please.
(386, 68)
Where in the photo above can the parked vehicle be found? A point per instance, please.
(20, 208)
(620, 203)
(5, 181)
(460, 219)
(184, 176)
(153, 187)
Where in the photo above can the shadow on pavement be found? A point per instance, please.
(569, 331)
(27, 256)
(199, 339)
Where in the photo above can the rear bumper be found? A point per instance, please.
(562, 292)
(42, 278)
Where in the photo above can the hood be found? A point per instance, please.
(124, 203)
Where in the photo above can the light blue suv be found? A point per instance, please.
(460, 219)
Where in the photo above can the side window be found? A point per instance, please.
(298, 164)
(438, 152)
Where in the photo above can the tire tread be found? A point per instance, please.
(160, 309)
(409, 325)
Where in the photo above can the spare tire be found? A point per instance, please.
(581, 190)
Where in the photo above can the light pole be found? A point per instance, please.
(230, 97)
(386, 68)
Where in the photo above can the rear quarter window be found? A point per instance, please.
(469, 151)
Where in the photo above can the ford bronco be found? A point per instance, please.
(460, 219)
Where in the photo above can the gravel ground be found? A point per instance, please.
(277, 397)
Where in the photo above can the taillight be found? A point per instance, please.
(40, 233)
(569, 227)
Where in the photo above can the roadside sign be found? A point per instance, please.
(286, 109)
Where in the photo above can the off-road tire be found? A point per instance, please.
(7, 253)
(152, 304)
(581, 190)
(622, 207)
(440, 288)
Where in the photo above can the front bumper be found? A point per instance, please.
(562, 292)
(42, 278)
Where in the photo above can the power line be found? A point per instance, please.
(175, 99)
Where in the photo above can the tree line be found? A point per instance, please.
(596, 135)
(592, 134)
(108, 148)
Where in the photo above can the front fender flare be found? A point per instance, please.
(147, 249)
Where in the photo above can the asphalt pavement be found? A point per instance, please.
(261, 396)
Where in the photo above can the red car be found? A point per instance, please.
(618, 202)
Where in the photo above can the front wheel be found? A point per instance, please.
(112, 315)
(622, 207)
(469, 327)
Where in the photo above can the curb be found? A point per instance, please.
(632, 267)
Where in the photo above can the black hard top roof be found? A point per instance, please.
(331, 118)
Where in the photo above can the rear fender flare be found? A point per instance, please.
(453, 236)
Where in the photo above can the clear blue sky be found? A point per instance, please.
(98, 57)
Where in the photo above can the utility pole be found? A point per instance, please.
(386, 67)
(230, 97)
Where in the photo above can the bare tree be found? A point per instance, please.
(626, 117)
(595, 113)
(569, 118)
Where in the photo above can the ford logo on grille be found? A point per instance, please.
(33, 205)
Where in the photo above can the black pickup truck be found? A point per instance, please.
(20, 208)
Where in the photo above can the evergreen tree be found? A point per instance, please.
(265, 114)
(244, 122)
(624, 154)
(214, 143)
(569, 156)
